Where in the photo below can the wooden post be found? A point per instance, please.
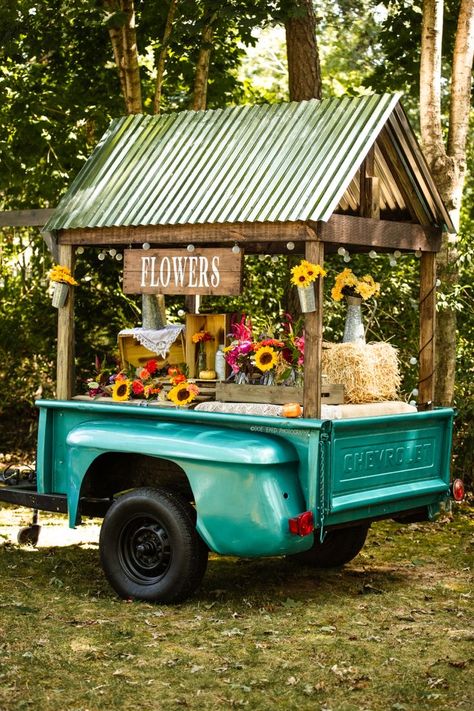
(427, 328)
(313, 335)
(65, 343)
(369, 188)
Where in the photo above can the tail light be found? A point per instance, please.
(457, 490)
(303, 524)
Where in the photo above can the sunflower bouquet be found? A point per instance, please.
(62, 275)
(266, 359)
(305, 273)
(142, 383)
(348, 284)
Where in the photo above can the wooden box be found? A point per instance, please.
(275, 394)
(218, 325)
(134, 354)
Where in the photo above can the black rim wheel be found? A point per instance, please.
(145, 550)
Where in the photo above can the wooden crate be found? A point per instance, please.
(275, 394)
(207, 389)
(133, 353)
(218, 326)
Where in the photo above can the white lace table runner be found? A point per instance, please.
(157, 341)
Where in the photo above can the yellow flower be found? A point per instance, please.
(266, 358)
(313, 270)
(183, 393)
(305, 273)
(121, 390)
(62, 274)
(300, 277)
(347, 284)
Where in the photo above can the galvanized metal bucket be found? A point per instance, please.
(307, 298)
(60, 292)
(354, 331)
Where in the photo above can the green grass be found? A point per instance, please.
(391, 631)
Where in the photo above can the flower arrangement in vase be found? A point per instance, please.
(355, 290)
(201, 338)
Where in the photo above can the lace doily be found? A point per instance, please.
(157, 341)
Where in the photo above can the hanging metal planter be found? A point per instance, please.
(60, 294)
(307, 298)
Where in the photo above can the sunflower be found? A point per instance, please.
(121, 390)
(300, 276)
(182, 394)
(266, 358)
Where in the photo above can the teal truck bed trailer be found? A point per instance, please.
(175, 484)
(308, 179)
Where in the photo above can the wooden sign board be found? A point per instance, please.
(178, 271)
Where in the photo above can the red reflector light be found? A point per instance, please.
(457, 487)
(303, 524)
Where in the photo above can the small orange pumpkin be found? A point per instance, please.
(292, 409)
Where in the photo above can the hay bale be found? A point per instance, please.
(369, 372)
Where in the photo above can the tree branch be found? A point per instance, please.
(160, 66)
(130, 55)
(202, 66)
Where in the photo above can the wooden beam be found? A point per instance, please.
(388, 147)
(427, 317)
(240, 232)
(25, 218)
(385, 234)
(369, 188)
(313, 339)
(65, 343)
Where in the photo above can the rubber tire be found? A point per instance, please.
(149, 547)
(339, 547)
(29, 535)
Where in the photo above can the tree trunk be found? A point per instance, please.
(160, 67)
(202, 67)
(131, 67)
(448, 166)
(304, 73)
(304, 78)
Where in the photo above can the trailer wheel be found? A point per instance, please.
(149, 547)
(338, 548)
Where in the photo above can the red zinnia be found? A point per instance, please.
(137, 387)
(152, 366)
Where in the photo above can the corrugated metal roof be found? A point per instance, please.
(265, 163)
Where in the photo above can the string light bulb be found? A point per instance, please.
(146, 245)
(80, 250)
(372, 254)
(236, 249)
(290, 246)
(190, 247)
